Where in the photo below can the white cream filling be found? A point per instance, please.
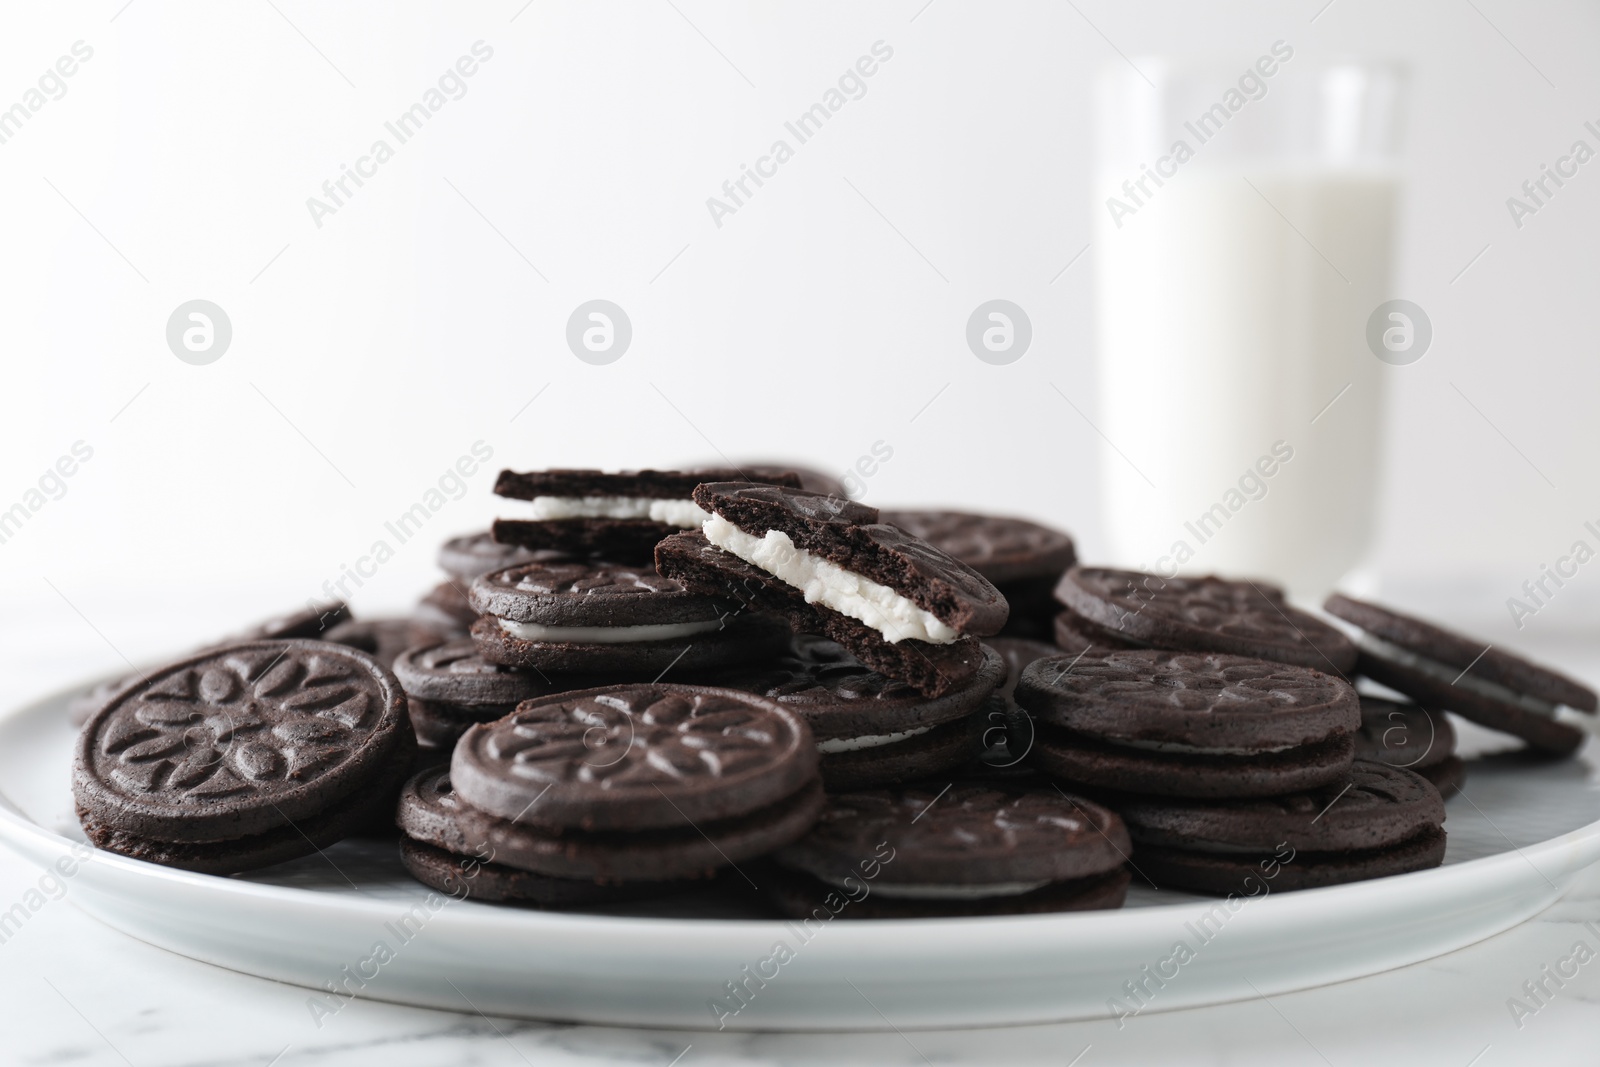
(606, 635)
(951, 892)
(1176, 746)
(856, 744)
(896, 617)
(684, 514)
(1443, 672)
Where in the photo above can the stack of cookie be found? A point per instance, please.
(243, 756)
(1215, 705)
(620, 791)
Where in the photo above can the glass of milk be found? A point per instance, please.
(1245, 221)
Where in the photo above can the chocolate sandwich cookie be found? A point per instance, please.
(608, 516)
(592, 616)
(244, 756)
(650, 782)
(1410, 736)
(899, 605)
(1451, 672)
(382, 639)
(1023, 559)
(1240, 618)
(870, 729)
(1374, 822)
(430, 809)
(449, 686)
(469, 556)
(1180, 724)
(962, 849)
(1008, 731)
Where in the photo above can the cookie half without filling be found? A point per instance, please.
(898, 604)
(1183, 724)
(1376, 821)
(1439, 668)
(951, 849)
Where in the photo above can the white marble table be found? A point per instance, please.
(76, 992)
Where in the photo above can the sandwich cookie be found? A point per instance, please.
(608, 516)
(1179, 724)
(597, 617)
(449, 686)
(1411, 737)
(382, 639)
(1007, 730)
(1445, 670)
(898, 604)
(871, 729)
(245, 756)
(1375, 822)
(651, 782)
(1023, 559)
(962, 849)
(1239, 618)
(430, 809)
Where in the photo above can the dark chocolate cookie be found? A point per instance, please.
(850, 536)
(932, 669)
(1208, 614)
(239, 741)
(870, 729)
(470, 555)
(369, 809)
(843, 700)
(603, 515)
(313, 620)
(1403, 735)
(1008, 731)
(382, 639)
(468, 878)
(1183, 724)
(1075, 634)
(999, 548)
(1445, 670)
(927, 850)
(453, 672)
(445, 609)
(431, 812)
(633, 757)
(593, 616)
(811, 479)
(1447, 776)
(1379, 820)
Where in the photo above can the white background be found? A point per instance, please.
(821, 318)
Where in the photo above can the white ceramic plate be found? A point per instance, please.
(1518, 836)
